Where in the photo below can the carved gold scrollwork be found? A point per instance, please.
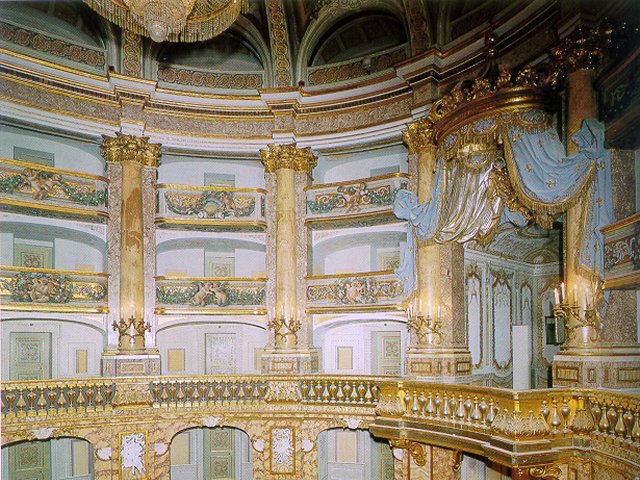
(541, 472)
(415, 449)
(419, 135)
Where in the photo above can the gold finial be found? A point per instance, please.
(584, 48)
(129, 148)
(288, 156)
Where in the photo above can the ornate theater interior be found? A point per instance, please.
(320, 239)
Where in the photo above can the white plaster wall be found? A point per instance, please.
(338, 167)
(67, 336)
(353, 331)
(190, 260)
(6, 248)
(354, 259)
(191, 337)
(190, 170)
(68, 154)
(249, 263)
(69, 254)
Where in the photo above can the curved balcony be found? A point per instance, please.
(514, 428)
(32, 188)
(210, 295)
(45, 290)
(210, 208)
(353, 292)
(355, 203)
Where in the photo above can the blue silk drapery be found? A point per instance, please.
(543, 178)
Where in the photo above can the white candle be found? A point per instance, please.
(588, 297)
(564, 293)
(438, 311)
(575, 294)
(557, 295)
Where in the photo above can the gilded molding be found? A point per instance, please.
(288, 156)
(584, 48)
(279, 42)
(131, 53)
(129, 148)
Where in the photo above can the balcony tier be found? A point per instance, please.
(353, 292)
(356, 203)
(210, 295)
(44, 290)
(510, 427)
(210, 208)
(36, 189)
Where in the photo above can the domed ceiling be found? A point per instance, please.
(274, 43)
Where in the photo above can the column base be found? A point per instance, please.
(605, 369)
(290, 361)
(118, 364)
(449, 365)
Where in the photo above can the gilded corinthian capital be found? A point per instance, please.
(129, 148)
(288, 156)
(585, 48)
(419, 135)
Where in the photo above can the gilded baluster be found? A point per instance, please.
(81, 401)
(483, 410)
(406, 402)
(492, 412)
(263, 390)
(475, 413)
(31, 401)
(445, 407)
(62, 401)
(241, 394)
(340, 394)
(52, 395)
(250, 387)
(635, 433)
(332, 391)
(375, 393)
(453, 403)
(173, 389)
(368, 397)
(467, 409)
(180, 395)
(90, 393)
(612, 415)
(304, 388)
(597, 412)
(354, 393)
(109, 392)
(10, 397)
(544, 410)
(361, 392)
(155, 393)
(565, 410)
(164, 393)
(604, 421)
(21, 405)
(430, 408)
(227, 392)
(99, 400)
(437, 403)
(42, 401)
(556, 421)
(234, 391)
(414, 403)
(421, 403)
(627, 418)
(188, 391)
(218, 389)
(460, 412)
(620, 428)
(72, 394)
(347, 391)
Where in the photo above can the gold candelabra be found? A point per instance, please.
(426, 327)
(577, 318)
(132, 329)
(285, 329)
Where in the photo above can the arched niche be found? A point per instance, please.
(218, 452)
(353, 453)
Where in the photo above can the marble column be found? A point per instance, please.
(438, 348)
(133, 154)
(605, 355)
(287, 171)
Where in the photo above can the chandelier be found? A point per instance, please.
(173, 20)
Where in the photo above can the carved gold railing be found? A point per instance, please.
(510, 427)
(354, 292)
(210, 295)
(39, 289)
(487, 420)
(57, 397)
(366, 201)
(26, 186)
(210, 207)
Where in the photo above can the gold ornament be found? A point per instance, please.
(129, 148)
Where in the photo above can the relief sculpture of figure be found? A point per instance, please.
(353, 196)
(42, 185)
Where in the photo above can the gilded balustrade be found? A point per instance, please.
(40, 289)
(366, 201)
(511, 427)
(354, 292)
(210, 207)
(210, 295)
(26, 187)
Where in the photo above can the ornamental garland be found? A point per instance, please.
(201, 294)
(214, 204)
(353, 197)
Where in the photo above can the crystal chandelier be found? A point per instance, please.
(161, 17)
(172, 20)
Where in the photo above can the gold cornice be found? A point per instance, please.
(631, 280)
(213, 279)
(288, 156)
(378, 307)
(46, 168)
(129, 148)
(47, 307)
(210, 311)
(45, 63)
(53, 208)
(359, 180)
(11, 268)
(211, 222)
(625, 222)
(348, 275)
(208, 188)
